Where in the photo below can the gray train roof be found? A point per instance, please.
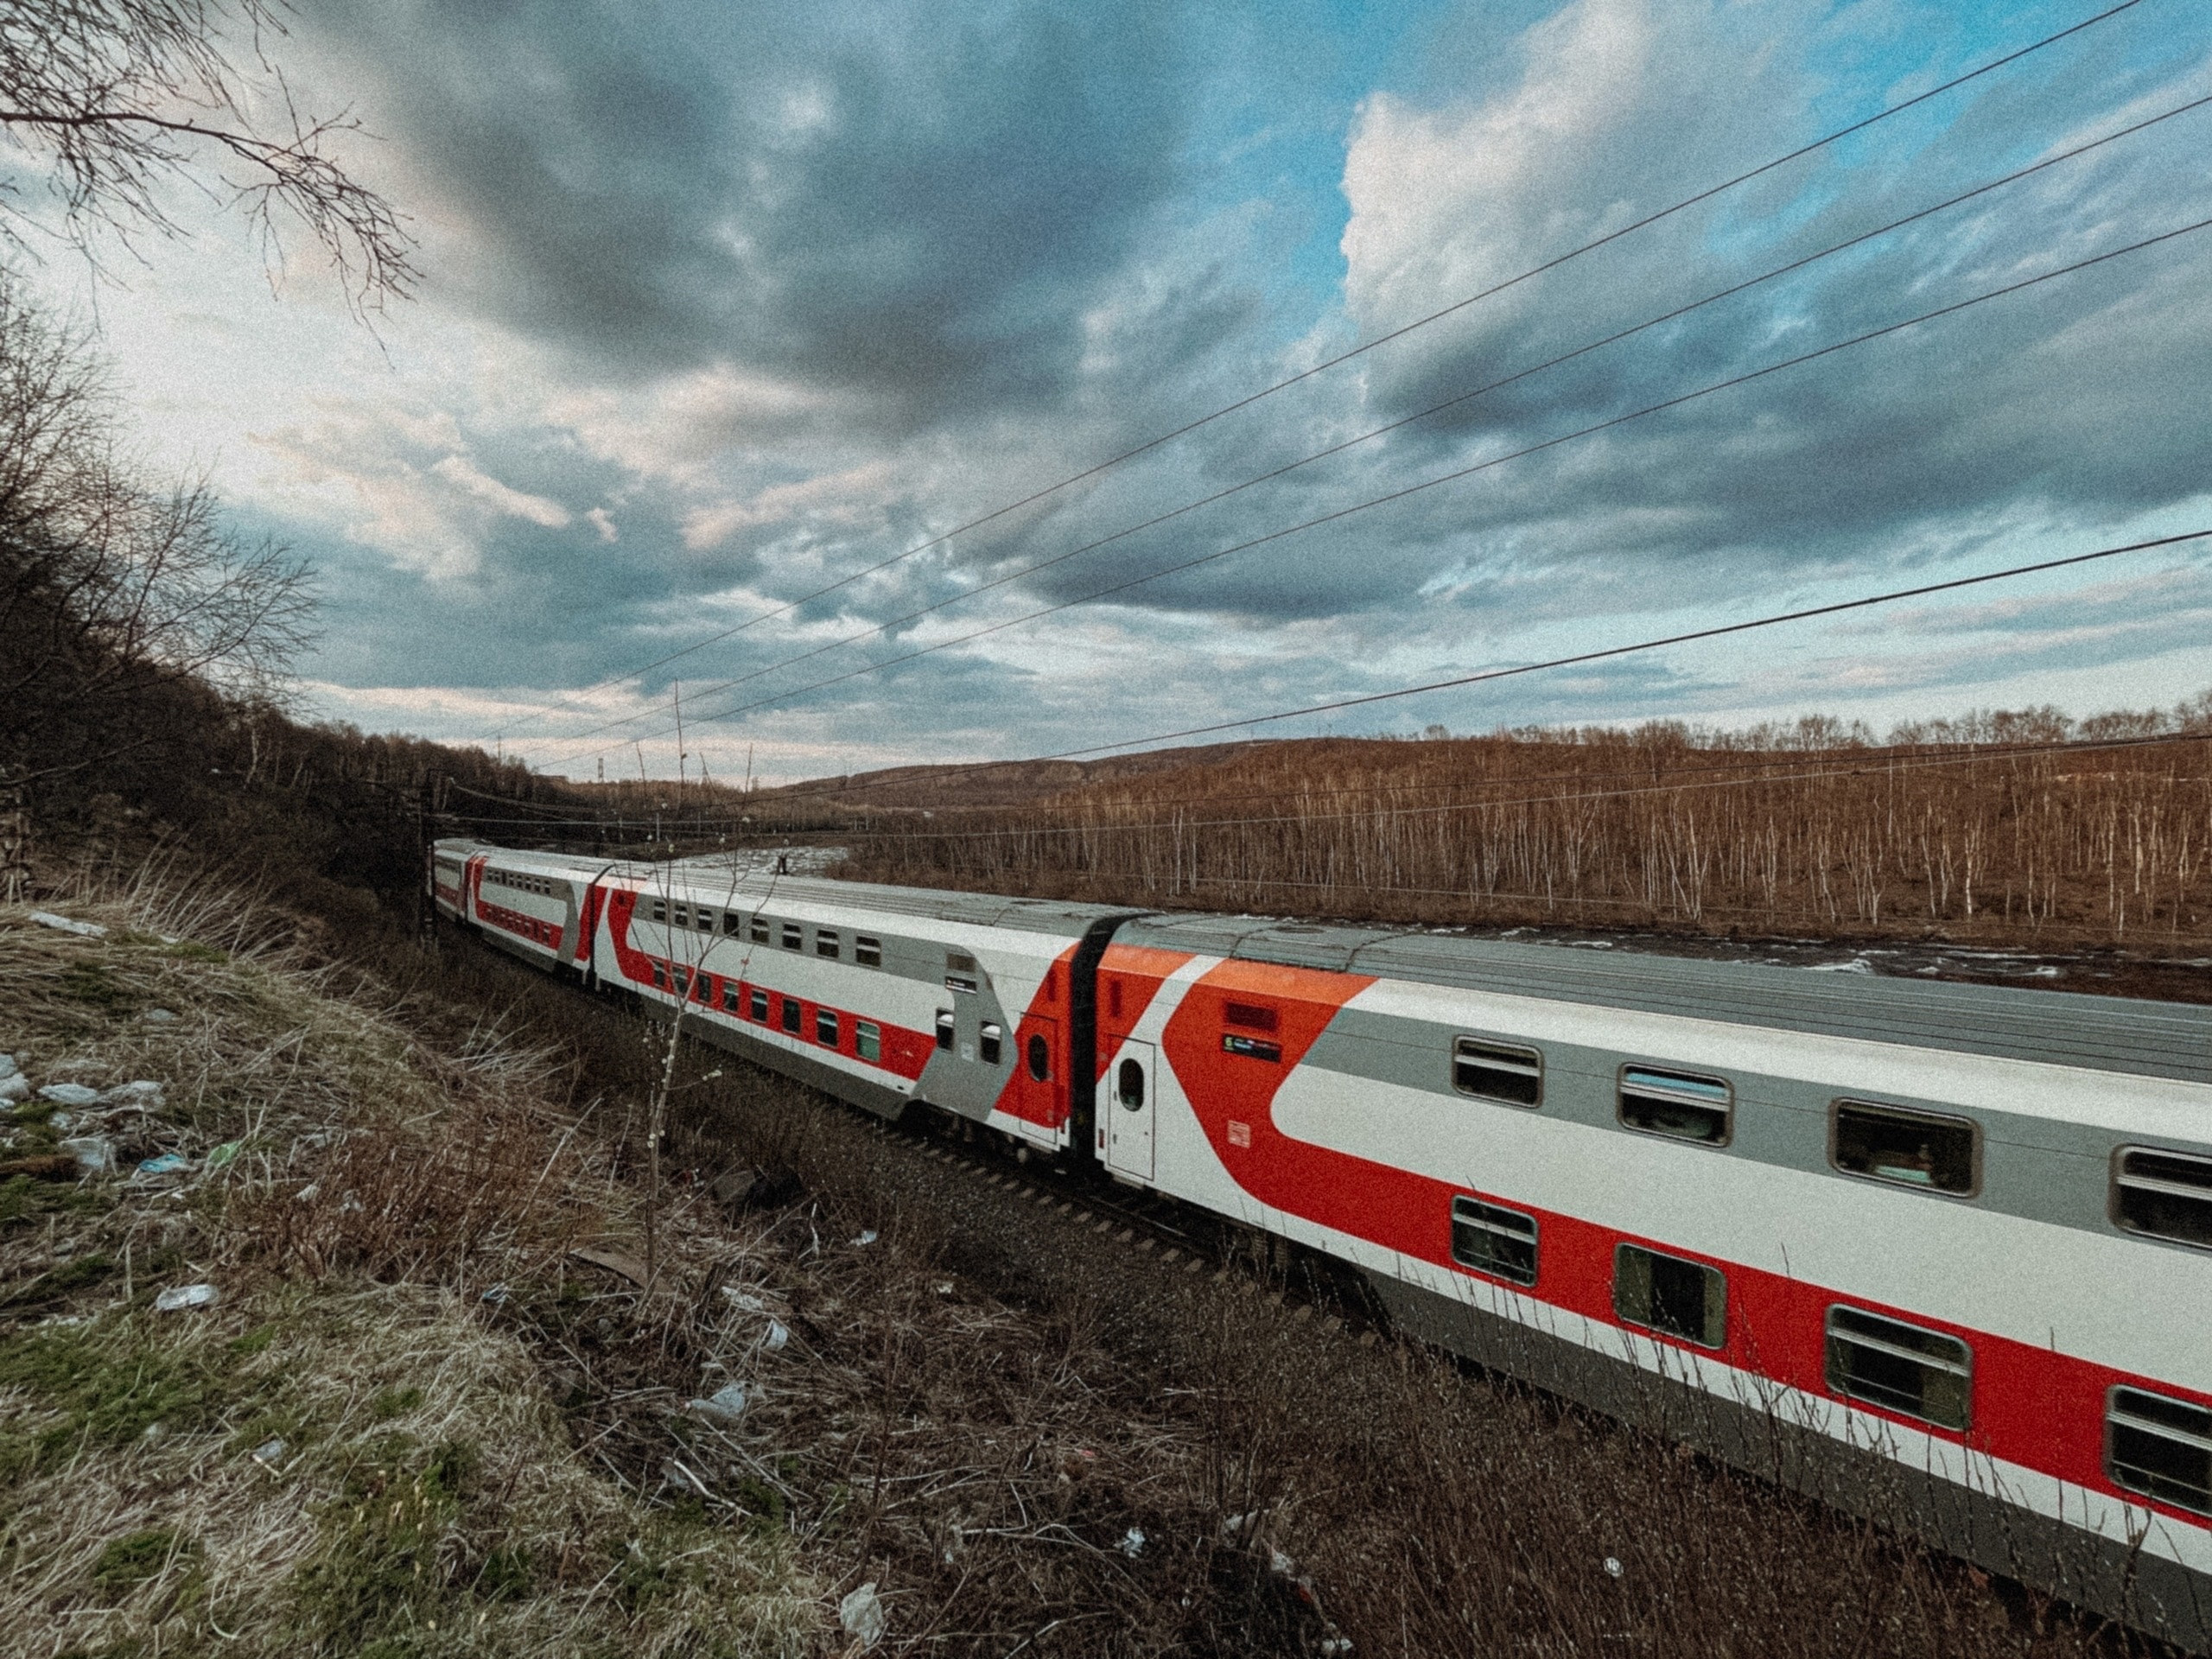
(2159, 1040)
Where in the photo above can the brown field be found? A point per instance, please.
(2022, 829)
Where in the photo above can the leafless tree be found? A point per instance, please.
(119, 99)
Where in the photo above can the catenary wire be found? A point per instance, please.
(1364, 347)
(1287, 467)
(1455, 476)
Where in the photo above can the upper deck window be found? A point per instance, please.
(1684, 1104)
(759, 930)
(1502, 1071)
(867, 952)
(1912, 1148)
(827, 943)
(794, 936)
(2164, 1194)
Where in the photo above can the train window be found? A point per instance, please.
(868, 952)
(1901, 1367)
(759, 1005)
(2159, 1447)
(1494, 1241)
(825, 1027)
(989, 1049)
(1680, 1104)
(1129, 1085)
(703, 920)
(944, 1029)
(868, 1040)
(1892, 1143)
(661, 909)
(794, 936)
(660, 977)
(729, 996)
(1041, 1057)
(1497, 1072)
(680, 917)
(759, 931)
(2165, 1194)
(681, 981)
(733, 923)
(1670, 1295)
(826, 943)
(791, 1014)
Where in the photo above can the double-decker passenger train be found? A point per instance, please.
(1936, 1252)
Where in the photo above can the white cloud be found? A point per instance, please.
(465, 475)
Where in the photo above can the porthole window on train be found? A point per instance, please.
(944, 1029)
(792, 1014)
(760, 1004)
(1041, 1057)
(1684, 1104)
(989, 1049)
(1667, 1294)
(1497, 1072)
(1129, 1085)
(826, 943)
(1894, 1144)
(2164, 1194)
(825, 1027)
(2159, 1447)
(1901, 1367)
(794, 936)
(759, 931)
(868, 952)
(1492, 1240)
(868, 1040)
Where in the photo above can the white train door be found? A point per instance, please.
(1129, 1104)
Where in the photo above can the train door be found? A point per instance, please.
(1038, 1082)
(1129, 1103)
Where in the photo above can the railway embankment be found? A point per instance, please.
(351, 1307)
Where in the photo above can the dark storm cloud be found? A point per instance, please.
(913, 202)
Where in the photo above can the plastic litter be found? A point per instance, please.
(8, 1066)
(145, 1094)
(862, 1614)
(82, 929)
(222, 1155)
(169, 1163)
(497, 1295)
(13, 1087)
(157, 1016)
(744, 1300)
(725, 1405)
(70, 1094)
(1133, 1542)
(95, 1153)
(269, 1453)
(1612, 1567)
(775, 1336)
(866, 1238)
(178, 1297)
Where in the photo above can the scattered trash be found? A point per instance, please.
(8, 1066)
(1237, 1525)
(61, 1123)
(1133, 1542)
(773, 1342)
(308, 1193)
(614, 1261)
(866, 1238)
(157, 1016)
(95, 1153)
(1336, 1644)
(269, 1453)
(178, 1297)
(734, 1186)
(944, 1287)
(862, 1614)
(1078, 1462)
(744, 1300)
(497, 1294)
(1856, 965)
(725, 1405)
(13, 1087)
(145, 1094)
(82, 929)
(222, 1156)
(169, 1163)
(1612, 1567)
(70, 1094)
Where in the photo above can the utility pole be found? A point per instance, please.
(426, 906)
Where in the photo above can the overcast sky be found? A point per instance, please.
(725, 303)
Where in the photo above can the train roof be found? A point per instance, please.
(2159, 1040)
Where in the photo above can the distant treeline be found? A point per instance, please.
(2010, 826)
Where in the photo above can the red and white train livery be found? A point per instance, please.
(1937, 1252)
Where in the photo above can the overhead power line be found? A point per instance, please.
(1457, 401)
(1455, 476)
(1367, 346)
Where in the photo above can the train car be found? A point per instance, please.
(1937, 1253)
